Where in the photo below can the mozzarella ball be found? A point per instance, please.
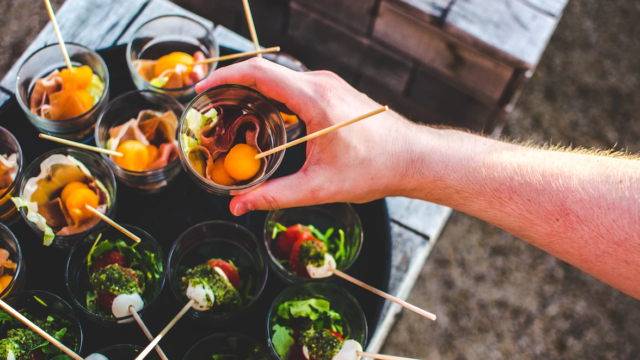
(96, 356)
(122, 302)
(202, 296)
(349, 351)
(324, 270)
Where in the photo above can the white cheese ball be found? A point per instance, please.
(305, 352)
(202, 296)
(122, 302)
(10, 355)
(96, 356)
(323, 271)
(349, 351)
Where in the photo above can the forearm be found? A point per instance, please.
(584, 209)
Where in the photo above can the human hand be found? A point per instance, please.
(358, 163)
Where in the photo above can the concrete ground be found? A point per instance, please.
(496, 296)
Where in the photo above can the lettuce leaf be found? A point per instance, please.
(35, 218)
(282, 340)
(310, 308)
(95, 89)
(159, 81)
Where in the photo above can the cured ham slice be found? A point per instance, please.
(219, 139)
(8, 171)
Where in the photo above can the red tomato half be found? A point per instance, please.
(229, 270)
(287, 239)
(109, 258)
(106, 300)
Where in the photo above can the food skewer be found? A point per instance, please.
(79, 145)
(381, 356)
(321, 132)
(252, 27)
(38, 330)
(146, 331)
(56, 28)
(238, 55)
(113, 223)
(164, 331)
(389, 297)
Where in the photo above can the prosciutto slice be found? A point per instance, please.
(8, 171)
(42, 90)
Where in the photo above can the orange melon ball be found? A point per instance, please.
(76, 204)
(241, 163)
(135, 155)
(169, 62)
(70, 188)
(78, 78)
(219, 174)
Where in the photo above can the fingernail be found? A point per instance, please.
(242, 208)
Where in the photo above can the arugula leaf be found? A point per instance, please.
(341, 253)
(224, 357)
(6, 317)
(50, 348)
(310, 308)
(92, 302)
(90, 256)
(40, 301)
(102, 248)
(62, 357)
(277, 228)
(282, 340)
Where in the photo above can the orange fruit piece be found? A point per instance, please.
(153, 153)
(219, 174)
(135, 155)
(241, 163)
(67, 104)
(169, 62)
(78, 78)
(70, 188)
(4, 281)
(76, 202)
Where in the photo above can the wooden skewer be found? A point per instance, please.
(146, 331)
(382, 357)
(405, 304)
(40, 332)
(321, 132)
(238, 55)
(252, 27)
(113, 223)
(164, 331)
(56, 28)
(81, 146)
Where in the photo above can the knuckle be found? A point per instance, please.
(271, 202)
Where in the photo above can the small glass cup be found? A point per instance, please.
(42, 63)
(164, 35)
(9, 145)
(119, 352)
(217, 240)
(100, 171)
(227, 346)
(77, 278)
(122, 109)
(246, 99)
(9, 242)
(354, 322)
(31, 302)
(336, 215)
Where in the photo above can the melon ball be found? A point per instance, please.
(135, 155)
(219, 174)
(241, 163)
(77, 201)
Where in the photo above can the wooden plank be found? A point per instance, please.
(356, 14)
(511, 26)
(390, 69)
(93, 23)
(157, 8)
(550, 7)
(426, 10)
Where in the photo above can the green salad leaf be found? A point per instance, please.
(282, 340)
(310, 308)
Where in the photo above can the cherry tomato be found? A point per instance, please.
(109, 258)
(106, 300)
(294, 259)
(229, 270)
(285, 241)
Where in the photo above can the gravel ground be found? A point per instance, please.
(496, 296)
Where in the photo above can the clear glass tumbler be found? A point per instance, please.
(218, 240)
(227, 346)
(164, 35)
(43, 62)
(122, 109)
(8, 146)
(247, 100)
(336, 215)
(9, 242)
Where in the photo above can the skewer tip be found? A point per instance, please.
(386, 107)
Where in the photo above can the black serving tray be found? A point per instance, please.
(165, 216)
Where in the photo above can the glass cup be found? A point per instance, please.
(122, 109)
(9, 242)
(100, 171)
(354, 323)
(164, 35)
(43, 62)
(31, 302)
(336, 215)
(218, 240)
(230, 346)
(246, 99)
(118, 352)
(77, 278)
(9, 145)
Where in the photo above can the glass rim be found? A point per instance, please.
(220, 335)
(117, 320)
(16, 181)
(177, 294)
(258, 181)
(106, 82)
(161, 89)
(19, 261)
(106, 157)
(39, 160)
(276, 262)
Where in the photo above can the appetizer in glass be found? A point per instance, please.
(222, 131)
(107, 273)
(12, 267)
(48, 312)
(316, 321)
(61, 101)
(56, 189)
(118, 352)
(10, 171)
(220, 266)
(227, 346)
(162, 53)
(307, 243)
(142, 126)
